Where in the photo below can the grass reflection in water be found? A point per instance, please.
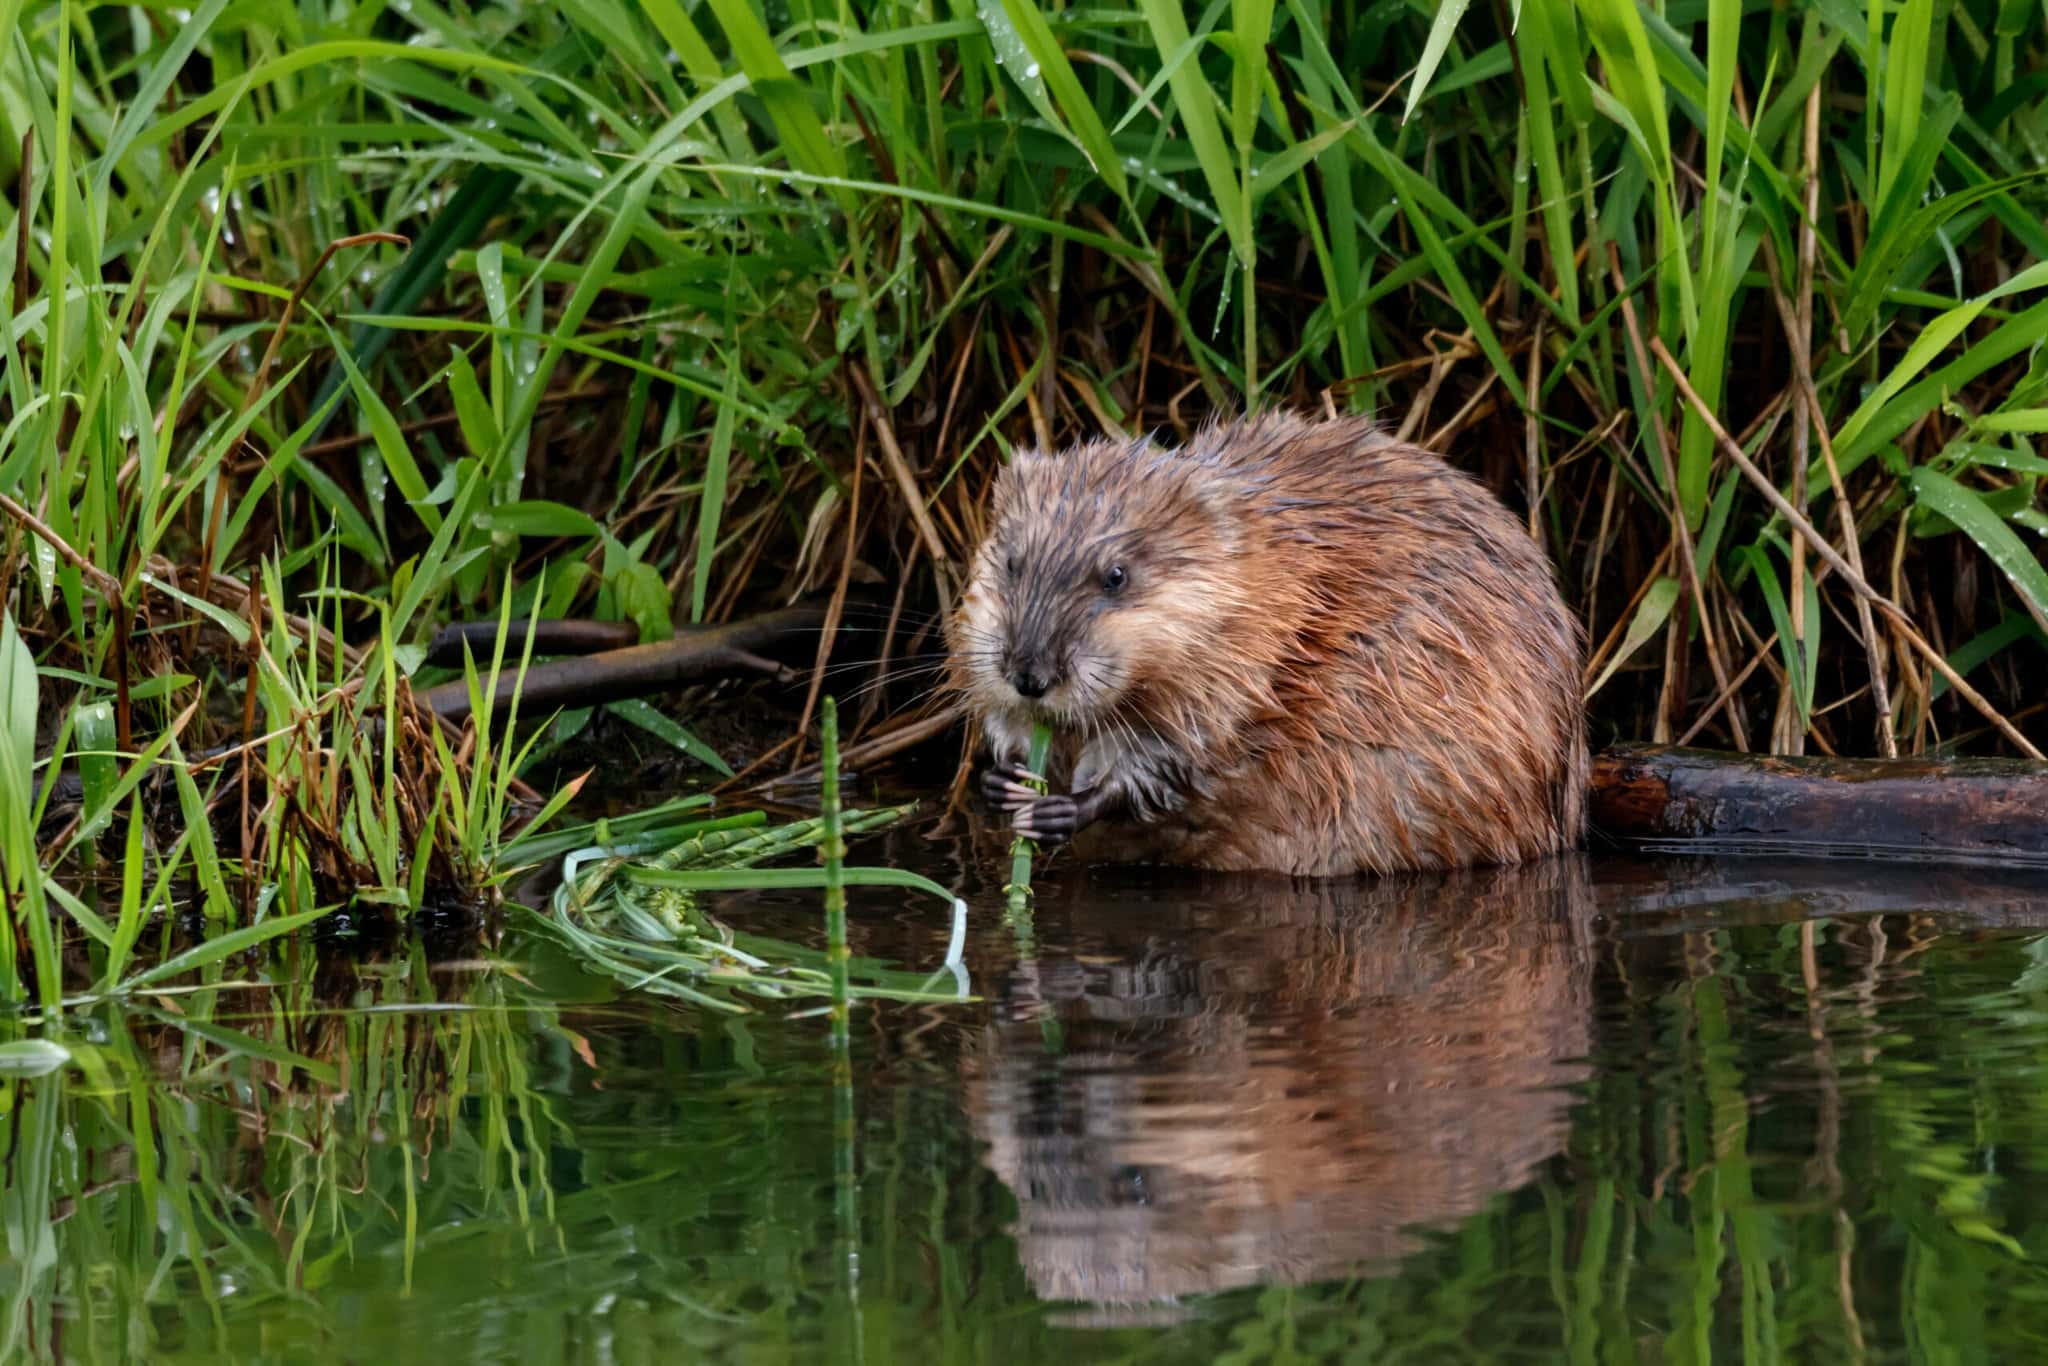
(1601, 1111)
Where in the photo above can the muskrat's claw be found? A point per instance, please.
(1048, 820)
(1008, 786)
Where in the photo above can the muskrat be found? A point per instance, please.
(1294, 646)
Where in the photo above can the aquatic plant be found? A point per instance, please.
(1022, 849)
(633, 909)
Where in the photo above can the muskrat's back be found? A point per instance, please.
(1291, 645)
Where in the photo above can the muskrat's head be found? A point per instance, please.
(1098, 578)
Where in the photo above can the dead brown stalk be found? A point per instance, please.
(1855, 580)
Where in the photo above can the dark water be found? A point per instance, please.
(1599, 1110)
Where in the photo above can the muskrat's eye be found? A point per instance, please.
(1114, 579)
(1012, 567)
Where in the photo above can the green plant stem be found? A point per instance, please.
(1021, 849)
(833, 847)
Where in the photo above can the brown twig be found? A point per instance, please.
(1802, 353)
(768, 756)
(828, 635)
(1741, 677)
(906, 482)
(1467, 411)
(1687, 564)
(1900, 621)
(1439, 370)
(108, 586)
(959, 377)
(882, 746)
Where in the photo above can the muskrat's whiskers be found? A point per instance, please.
(876, 685)
(921, 661)
(895, 676)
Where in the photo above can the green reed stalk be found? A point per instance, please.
(834, 849)
(846, 1191)
(1021, 849)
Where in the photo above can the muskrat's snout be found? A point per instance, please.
(1032, 674)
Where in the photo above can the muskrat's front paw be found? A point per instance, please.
(1009, 786)
(1048, 820)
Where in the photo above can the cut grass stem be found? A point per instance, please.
(1018, 892)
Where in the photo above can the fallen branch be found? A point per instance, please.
(1657, 897)
(735, 649)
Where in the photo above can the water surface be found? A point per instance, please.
(1603, 1109)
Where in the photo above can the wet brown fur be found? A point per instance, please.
(1335, 654)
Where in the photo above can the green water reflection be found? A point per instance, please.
(1599, 1111)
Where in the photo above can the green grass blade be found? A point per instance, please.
(654, 723)
(711, 498)
(1196, 104)
(1906, 58)
(1651, 614)
(1021, 850)
(1441, 30)
(1631, 70)
(1036, 63)
(788, 100)
(779, 879)
(1965, 507)
(1789, 645)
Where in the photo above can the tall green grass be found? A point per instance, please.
(347, 321)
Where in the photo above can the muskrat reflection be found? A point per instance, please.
(1262, 1081)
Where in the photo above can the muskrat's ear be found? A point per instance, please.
(1018, 474)
(1217, 504)
(1024, 462)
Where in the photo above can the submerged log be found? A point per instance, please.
(1706, 801)
(755, 646)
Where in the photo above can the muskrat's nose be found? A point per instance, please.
(1029, 677)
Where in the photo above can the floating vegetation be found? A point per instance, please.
(630, 904)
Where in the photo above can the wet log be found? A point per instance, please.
(1706, 801)
(759, 645)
